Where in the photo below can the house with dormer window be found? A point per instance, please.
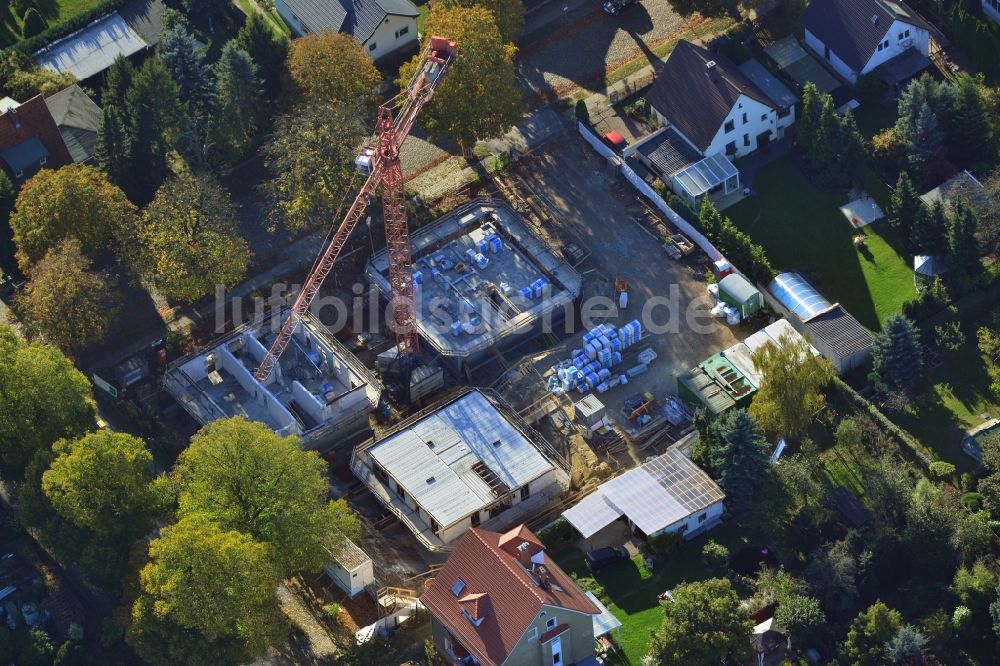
(499, 600)
(855, 37)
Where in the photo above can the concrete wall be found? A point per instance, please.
(276, 411)
(750, 118)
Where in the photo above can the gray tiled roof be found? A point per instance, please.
(841, 332)
(695, 102)
(359, 18)
(853, 28)
(78, 119)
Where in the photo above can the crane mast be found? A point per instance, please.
(380, 159)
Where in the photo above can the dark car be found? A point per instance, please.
(614, 7)
(605, 558)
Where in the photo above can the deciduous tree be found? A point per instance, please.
(868, 634)
(311, 156)
(790, 393)
(244, 477)
(897, 359)
(479, 97)
(66, 303)
(44, 399)
(508, 14)
(802, 616)
(740, 455)
(76, 201)
(832, 574)
(190, 240)
(704, 624)
(332, 68)
(219, 584)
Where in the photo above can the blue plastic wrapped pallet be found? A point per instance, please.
(482, 245)
(496, 244)
(616, 344)
(616, 358)
(588, 337)
(470, 253)
(536, 287)
(602, 387)
(637, 370)
(525, 292)
(591, 351)
(603, 374)
(592, 378)
(481, 260)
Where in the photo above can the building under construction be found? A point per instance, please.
(482, 281)
(318, 390)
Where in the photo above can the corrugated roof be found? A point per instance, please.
(433, 459)
(796, 294)
(91, 49)
(789, 55)
(668, 152)
(696, 101)
(842, 333)
(78, 119)
(591, 514)
(853, 28)
(514, 596)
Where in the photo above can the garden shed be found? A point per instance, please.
(737, 291)
(350, 568)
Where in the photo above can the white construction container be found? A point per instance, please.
(351, 569)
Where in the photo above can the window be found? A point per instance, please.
(744, 118)
(457, 587)
(434, 526)
(746, 139)
(730, 125)
(730, 147)
(525, 492)
(405, 30)
(550, 623)
(474, 519)
(763, 116)
(702, 518)
(556, 658)
(372, 46)
(903, 35)
(532, 634)
(884, 45)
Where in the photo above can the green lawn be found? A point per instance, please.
(957, 399)
(53, 11)
(802, 230)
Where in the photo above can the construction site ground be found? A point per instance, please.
(574, 198)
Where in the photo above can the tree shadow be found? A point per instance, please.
(553, 62)
(49, 9)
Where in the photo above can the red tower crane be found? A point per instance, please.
(379, 161)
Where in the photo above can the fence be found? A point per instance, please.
(644, 188)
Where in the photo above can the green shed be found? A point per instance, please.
(736, 290)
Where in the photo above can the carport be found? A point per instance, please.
(789, 55)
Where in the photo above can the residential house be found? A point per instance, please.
(471, 462)
(30, 139)
(78, 119)
(856, 37)
(382, 27)
(712, 111)
(499, 600)
(133, 29)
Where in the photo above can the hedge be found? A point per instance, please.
(68, 26)
(922, 454)
(976, 36)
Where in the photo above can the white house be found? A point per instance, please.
(857, 36)
(383, 27)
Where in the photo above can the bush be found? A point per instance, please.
(558, 531)
(941, 470)
(661, 544)
(34, 24)
(972, 501)
(582, 114)
(715, 556)
(961, 618)
(979, 37)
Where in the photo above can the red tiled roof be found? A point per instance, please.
(494, 565)
(552, 633)
(32, 119)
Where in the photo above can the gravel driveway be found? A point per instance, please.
(587, 43)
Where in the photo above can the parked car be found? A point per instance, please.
(605, 558)
(614, 7)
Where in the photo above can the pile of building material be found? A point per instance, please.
(589, 369)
